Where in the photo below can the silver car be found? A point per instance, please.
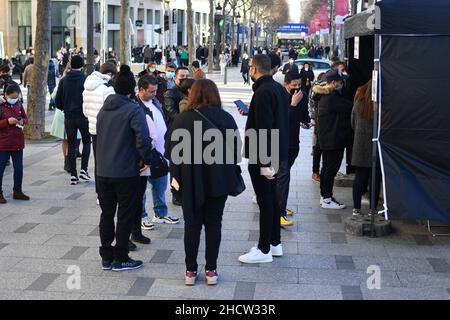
(318, 66)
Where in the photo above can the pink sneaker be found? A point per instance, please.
(190, 277)
(211, 277)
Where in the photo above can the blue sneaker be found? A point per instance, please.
(107, 265)
(130, 264)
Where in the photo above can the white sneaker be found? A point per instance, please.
(98, 202)
(276, 251)
(84, 175)
(332, 203)
(321, 200)
(254, 200)
(166, 219)
(146, 224)
(256, 256)
(356, 212)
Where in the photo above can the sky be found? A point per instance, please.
(294, 10)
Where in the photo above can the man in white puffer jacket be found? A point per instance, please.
(97, 88)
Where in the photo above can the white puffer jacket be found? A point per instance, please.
(96, 90)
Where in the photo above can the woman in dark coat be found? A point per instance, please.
(245, 68)
(204, 187)
(307, 77)
(362, 124)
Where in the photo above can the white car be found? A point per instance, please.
(318, 66)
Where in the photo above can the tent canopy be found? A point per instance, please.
(401, 17)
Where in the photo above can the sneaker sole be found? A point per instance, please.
(256, 261)
(106, 269)
(329, 208)
(127, 268)
(211, 282)
(147, 228)
(277, 255)
(189, 282)
(161, 221)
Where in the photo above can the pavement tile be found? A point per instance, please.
(52, 210)
(439, 265)
(34, 251)
(161, 256)
(338, 237)
(42, 283)
(351, 293)
(16, 280)
(345, 263)
(176, 289)
(266, 291)
(57, 266)
(93, 284)
(244, 290)
(141, 287)
(75, 253)
(75, 196)
(389, 293)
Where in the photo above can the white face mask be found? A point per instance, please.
(12, 101)
(306, 69)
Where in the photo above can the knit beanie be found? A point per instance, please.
(125, 82)
(76, 62)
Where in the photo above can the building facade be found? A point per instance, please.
(69, 23)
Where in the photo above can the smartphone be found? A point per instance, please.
(241, 105)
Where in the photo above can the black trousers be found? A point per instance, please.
(330, 167)
(317, 156)
(245, 76)
(94, 148)
(72, 126)
(361, 183)
(209, 215)
(269, 219)
(116, 194)
(142, 187)
(284, 179)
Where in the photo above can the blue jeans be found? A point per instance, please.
(17, 159)
(159, 187)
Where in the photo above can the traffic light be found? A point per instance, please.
(166, 22)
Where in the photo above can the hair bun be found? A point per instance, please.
(125, 68)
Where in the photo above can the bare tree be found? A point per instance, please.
(190, 32)
(38, 95)
(125, 37)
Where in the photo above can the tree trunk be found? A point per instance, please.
(190, 32)
(90, 61)
(125, 37)
(232, 28)
(333, 27)
(211, 36)
(38, 95)
(243, 34)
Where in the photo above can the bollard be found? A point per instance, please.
(225, 76)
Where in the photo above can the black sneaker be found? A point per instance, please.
(74, 181)
(107, 264)
(84, 175)
(131, 246)
(130, 264)
(140, 239)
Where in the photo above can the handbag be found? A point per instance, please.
(239, 185)
(158, 166)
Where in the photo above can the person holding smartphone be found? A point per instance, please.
(12, 140)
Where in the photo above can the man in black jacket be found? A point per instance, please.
(172, 100)
(334, 132)
(69, 98)
(123, 140)
(297, 105)
(172, 97)
(267, 113)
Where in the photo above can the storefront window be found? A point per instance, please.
(20, 13)
(65, 19)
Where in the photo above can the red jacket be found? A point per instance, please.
(11, 137)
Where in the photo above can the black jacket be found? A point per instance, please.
(123, 138)
(334, 131)
(171, 103)
(244, 66)
(268, 111)
(51, 75)
(307, 78)
(290, 68)
(297, 115)
(69, 97)
(198, 182)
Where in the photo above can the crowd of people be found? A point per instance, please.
(132, 121)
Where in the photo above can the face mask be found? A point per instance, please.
(306, 69)
(12, 101)
(152, 69)
(293, 91)
(291, 61)
(170, 75)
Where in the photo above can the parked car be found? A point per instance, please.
(318, 66)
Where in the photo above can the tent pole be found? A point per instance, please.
(373, 202)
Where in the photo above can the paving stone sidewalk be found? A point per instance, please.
(58, 228)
